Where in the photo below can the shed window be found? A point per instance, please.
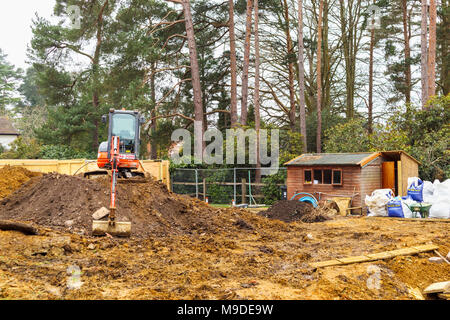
(322, 176)
(308, 174)
(326, 176)
(317, 176)
(337, 177)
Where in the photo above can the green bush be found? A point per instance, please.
(63, 152)
(347, 137)
(271, 190)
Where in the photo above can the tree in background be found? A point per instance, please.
(370, 98)
(256, 95)
(351, 33)
(301, 76)
(9, 83)
(73, 90)
(406, 17)
(432, 51)
(424, 52)
(319, 80)
(233, 65)
(199, 127)
(443, 45)
(32, 108)
(248, 30)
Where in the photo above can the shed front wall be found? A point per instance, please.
(410, 168)
(350, 183)
(371, 178)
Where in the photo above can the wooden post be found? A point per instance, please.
(244, 191)
(204, 189)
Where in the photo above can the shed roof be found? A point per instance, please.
(6, 127)
(330, 158)
(352, 159)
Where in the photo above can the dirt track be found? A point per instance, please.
(209, 253)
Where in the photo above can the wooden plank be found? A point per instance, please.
(381, 255)
(327, 263)
(375, 256)
(426, 247)
(354, 259)
(437, 287)
(404, 252)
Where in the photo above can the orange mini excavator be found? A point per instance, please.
(120, 157)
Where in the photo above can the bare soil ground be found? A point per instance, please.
(185, 249)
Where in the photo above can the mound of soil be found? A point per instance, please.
(12, 178)
(293, 210)
(68, 202)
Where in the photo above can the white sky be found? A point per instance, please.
(15, 26)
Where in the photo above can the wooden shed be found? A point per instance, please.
(328, 175)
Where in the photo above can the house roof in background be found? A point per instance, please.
(6, 127)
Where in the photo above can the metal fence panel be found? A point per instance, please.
(222, 186)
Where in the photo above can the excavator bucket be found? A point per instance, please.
(118, 229)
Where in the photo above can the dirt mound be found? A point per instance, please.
(68, 202)
(12, 178)
(293, 210)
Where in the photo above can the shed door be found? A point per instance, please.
(388, 174)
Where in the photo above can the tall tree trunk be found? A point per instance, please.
(248, 30)
(326, 78)
(350, 15)
(424, 53)
(370, 104)
(153, 146)
(443, 38)
(199, 143)
(256, 96)
(95, 72)
(233, 65)
(432, 51)
(301, 76)
(407, 52)
(290, 53)
(319, 80)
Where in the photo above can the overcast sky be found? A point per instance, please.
(15, 26)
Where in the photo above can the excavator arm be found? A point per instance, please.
(115, 163)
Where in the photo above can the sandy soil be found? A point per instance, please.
(269, 261)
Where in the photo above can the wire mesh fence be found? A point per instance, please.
(225, 185)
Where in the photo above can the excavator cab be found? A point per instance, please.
(124, 124)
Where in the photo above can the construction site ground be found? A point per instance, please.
(185, 249)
